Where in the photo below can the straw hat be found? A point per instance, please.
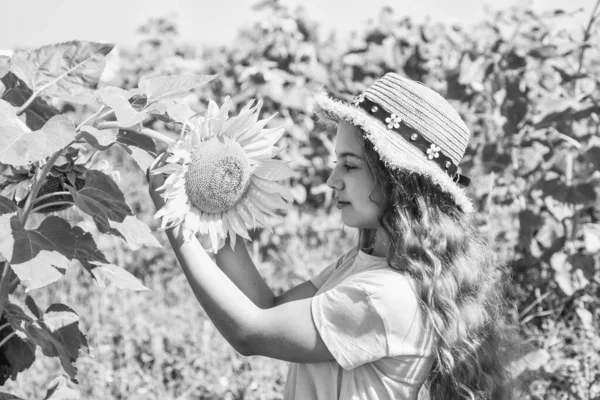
(411, 127)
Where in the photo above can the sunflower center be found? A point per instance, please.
(218, 176)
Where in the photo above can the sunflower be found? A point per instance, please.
(222, 176)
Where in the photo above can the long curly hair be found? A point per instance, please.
(462, 285)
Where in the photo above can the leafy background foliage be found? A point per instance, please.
(527, 89)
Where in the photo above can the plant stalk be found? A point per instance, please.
(587, 34)
(56, 203)
(4, 285)
(7, 338)
(88, 119)
(37, 200)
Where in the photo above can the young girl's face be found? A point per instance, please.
(351, 181)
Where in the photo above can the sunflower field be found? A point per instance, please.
(94, 306)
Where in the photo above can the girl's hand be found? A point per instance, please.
(156, 180)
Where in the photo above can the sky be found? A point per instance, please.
(32, 23)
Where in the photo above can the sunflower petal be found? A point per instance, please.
(266, 137)
(274, 187)
(222, 116)
(248, 136)
(257, 214)
(247, 117)
(237, 224)
(264, 154)
(212, 110)
(233, 237)
(213, 231)
(246, 215)
(190, 225)
(268, 200)
(274, 170)
(167, 169)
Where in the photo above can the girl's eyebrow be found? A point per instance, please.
(348, 154)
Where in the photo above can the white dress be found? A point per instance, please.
(368, 316)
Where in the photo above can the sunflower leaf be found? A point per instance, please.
(141, 148)
(58, 335)
(136, 233)
(127, 116)
(69, 70)
(171, 87)
(7, 206)
(100, 196)
(111, 274)
(17, 93)
(61, 389)
(40, 256)
(99, 139)
(4, 65)
(19, 147)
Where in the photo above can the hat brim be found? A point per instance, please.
(393, 149)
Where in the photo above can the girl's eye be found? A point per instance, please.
(347, 166)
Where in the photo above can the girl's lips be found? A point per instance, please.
(341, 204)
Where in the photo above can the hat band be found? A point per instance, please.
(431, 150)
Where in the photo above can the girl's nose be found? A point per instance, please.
(334, 182)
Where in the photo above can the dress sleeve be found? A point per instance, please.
(367, 317)
(322, 277)
(349, 325)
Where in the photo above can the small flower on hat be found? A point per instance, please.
(393, 121)
(433, 152)
(358, 99)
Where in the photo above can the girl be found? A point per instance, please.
(418, 302)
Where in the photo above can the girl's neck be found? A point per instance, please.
(380, 246)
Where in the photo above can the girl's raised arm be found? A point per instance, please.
(286, 332)
(239, 267)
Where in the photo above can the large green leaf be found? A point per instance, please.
(19, 352)
(136, 233)
(53, 234)
(99, 139)
(593, 156)
(6, 238)
(583, 193)
(37, 256)
(7, 206)
(171, 87)
(4, 65)
(69, 70)
(57, 333)
(141, 148)
(19, 147)
(85, 247)
(107, 274)
(100, 196)
(61, 389)
(17, 93)
(8, 396)
(127, 116)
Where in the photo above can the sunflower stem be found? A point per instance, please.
(63, 193)
(7, 338)
(88, 119)
(144, 131)
(56, 203)
(40, 179)
(4, 284)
